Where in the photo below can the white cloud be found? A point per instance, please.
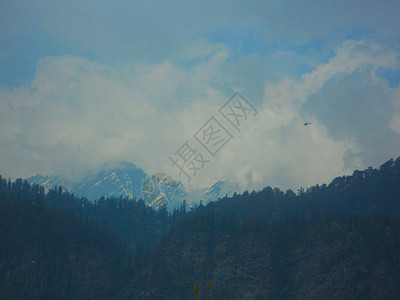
(100, 113)
(278, 150)
(78, 114)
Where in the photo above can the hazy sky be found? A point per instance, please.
(84, 83)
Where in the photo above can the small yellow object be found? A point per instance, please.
(209, 284)
(197, 288)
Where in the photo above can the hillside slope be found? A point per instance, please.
(49, 254)
(336, 241)
(331, 257)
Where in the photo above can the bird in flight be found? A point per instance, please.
(307, 123)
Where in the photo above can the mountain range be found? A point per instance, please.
(127, 180)
(332, 241)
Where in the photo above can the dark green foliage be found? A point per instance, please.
(289, 257)
(132, 220)
(51, 254)
(336, 241)
(368, 191)
(340, 241)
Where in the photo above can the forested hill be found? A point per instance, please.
(46, 253)
(340, 241)
(131, 220)
(368, 191)
(293, 257)
(336, 241)
(58, 246)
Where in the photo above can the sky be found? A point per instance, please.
(89, 83)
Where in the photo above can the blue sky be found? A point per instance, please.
(84, 83)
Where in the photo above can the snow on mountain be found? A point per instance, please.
(218, 190)
(50, 181)
(127, 180)
(124, 179)
(161, 189)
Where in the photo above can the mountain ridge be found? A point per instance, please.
(127, 180)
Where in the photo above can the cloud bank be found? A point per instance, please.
(79, 113)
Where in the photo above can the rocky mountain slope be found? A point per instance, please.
(127, 180)
(123, 180)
